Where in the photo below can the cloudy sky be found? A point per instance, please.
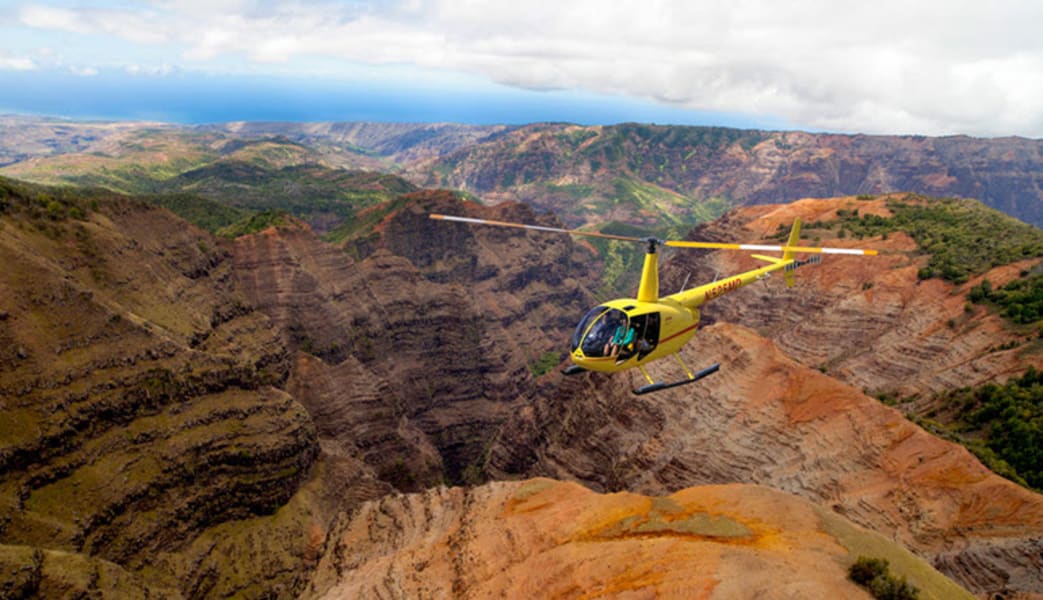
(887, 66)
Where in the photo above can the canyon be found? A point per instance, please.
(275, 415)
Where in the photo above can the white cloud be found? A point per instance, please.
(49, 17)
(148, 70)
(890, 66)
(14, 63)
(83, 71)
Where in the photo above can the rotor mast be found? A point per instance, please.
(648, 291)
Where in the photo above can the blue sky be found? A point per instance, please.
(193, 97)
(890, 67)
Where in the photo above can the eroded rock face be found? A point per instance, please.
(138, 406)
(768, 420)
(548, 539)
(424, 344)
(867, 321)
(27, 572)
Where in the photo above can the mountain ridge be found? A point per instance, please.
(636, 173)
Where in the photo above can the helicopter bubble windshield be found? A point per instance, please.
(596, 331)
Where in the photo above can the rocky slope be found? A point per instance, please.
(547, 539)
(194, 414)
(137, 399)
(424, 344)
(768, 420)
(870, 322)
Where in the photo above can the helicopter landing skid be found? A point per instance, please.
(692, 378)
(573, 370)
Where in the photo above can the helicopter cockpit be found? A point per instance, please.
(609, 332)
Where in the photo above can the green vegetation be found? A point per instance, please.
(860, 542)
(43, 204)
(705, 211)
(693, 140)
(134, 178)
(647, 198)
(621, 261)
(1000, 424)
(962, 237)
(576, 191)
(874, 575)
(256, 222)
(672, 214)
(631, 199)
(1005, 425)
(546, 361)
(321, 196)
(575, 138)
(965, 237)
(193, 174)
(201, 212)
(1021, 300)
(362, 222)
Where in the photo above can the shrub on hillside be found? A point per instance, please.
(874, 575)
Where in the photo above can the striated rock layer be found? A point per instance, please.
(768, 420)
(420, 350)
(867, 321)
(547, 539)
(137, 398)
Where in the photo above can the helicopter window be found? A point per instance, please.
(607, 334)
(584, 324)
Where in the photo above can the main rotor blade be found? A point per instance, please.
(672, 243)
(762, 248)
(536, 228)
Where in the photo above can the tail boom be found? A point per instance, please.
(696, 296)
(788, 264)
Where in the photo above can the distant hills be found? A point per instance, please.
(650, 176)
(631, 171)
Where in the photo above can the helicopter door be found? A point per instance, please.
(649, 339)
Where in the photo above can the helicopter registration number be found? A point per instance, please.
(723, 288)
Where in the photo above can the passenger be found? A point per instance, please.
(623, 340)
(624, 335)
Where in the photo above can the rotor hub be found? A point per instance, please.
(653, 243)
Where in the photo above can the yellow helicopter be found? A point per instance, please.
(631, 332)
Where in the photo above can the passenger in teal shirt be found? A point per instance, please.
(623, 335)
(620, 344)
